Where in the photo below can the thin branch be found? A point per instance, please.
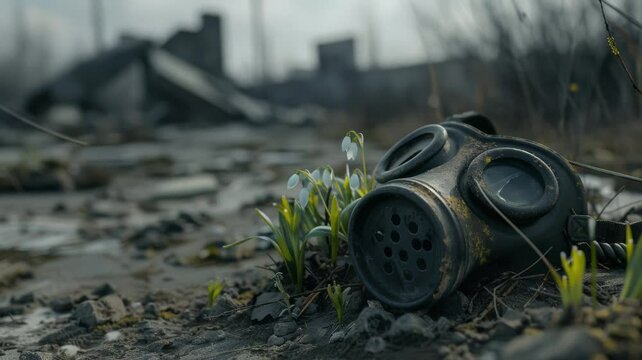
(605, 171)
(616, 51)
(519, 232)
(623, 14)
(40, 127)
(608, 203)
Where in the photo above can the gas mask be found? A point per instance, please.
(429, 224)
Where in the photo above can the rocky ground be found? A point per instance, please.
(120, 270)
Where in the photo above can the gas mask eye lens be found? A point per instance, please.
(513, 182)
(517, 182)
(410, 154)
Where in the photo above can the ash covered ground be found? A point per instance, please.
(119, 269)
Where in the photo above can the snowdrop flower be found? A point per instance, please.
(293, 181)
(353, 151)
(345, 143)
(316, 175)
(354, 181)
(304, 196)
(327, 178)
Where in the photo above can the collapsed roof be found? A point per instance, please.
(168, 79)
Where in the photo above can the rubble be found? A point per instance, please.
(97, 312)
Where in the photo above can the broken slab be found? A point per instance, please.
(108, 309)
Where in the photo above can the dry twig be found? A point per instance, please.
(616, 51)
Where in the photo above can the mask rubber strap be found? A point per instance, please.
(608, 236)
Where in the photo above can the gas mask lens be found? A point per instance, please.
(412, 153)
(517, 182)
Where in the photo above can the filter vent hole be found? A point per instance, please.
(427, 245)
(394, 236)
(387, 251)
(407, 275)
(387, 267)
(396, 219)
(403, 255)
(416, 244)
(413, 227)
(421, 264)
(379, 236)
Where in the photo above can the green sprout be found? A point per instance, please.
(572, 283)
(632, 288)
(629, 243)
(335, 232)
(213, 291)
(321, 209)
(289, 240)
(338, 298)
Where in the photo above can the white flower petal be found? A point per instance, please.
(327, 178)
(353, 151)
(293, 181)
(345, 143)
(304, 196)
(316, 175)
(354, 181)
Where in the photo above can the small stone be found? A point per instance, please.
(375, 304)
(151, 311)
(457, 338)
(63, 335)
(95, 312)
(513, 318)
(409, 328)
(375, 345)
(509, 325)
(337, 336)
(209, 337)
(69, 351)
(113, 336)
(268, 305)
(61, 304)
(371, 322)
(541, 317)
(285, 328)
(104, 290)
(307, 339)
(23, 299)
(555, 344)
(354, 303)
(274, 340)
(11, 310)
(27, 355)
(443, 325)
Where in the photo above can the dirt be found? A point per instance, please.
(121, 271)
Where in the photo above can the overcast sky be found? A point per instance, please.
(293, 26)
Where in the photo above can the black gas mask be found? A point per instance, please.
(429, 225)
